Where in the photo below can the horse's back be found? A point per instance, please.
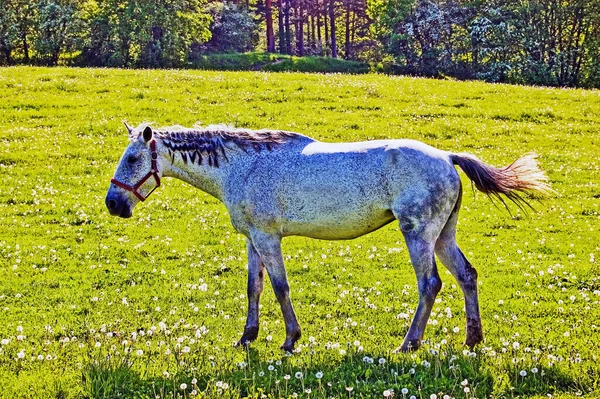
(343, 190)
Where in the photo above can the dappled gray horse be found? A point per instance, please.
(277, 184)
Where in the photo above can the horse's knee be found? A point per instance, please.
(430, 286)
(281, 289)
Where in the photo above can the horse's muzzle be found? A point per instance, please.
(118, 206)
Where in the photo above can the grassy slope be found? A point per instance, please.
(66, 264)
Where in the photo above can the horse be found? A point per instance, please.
(277, 183)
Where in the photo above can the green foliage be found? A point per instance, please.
(317, 64)
(96, 306)
(142, 33)
(276, 62)
(59, 28)
(232, 28)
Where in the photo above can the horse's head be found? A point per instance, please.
(137, 174)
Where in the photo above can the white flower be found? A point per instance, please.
(286, 377)
(319, 375)
(523, 373)
(194, 381)
(516, 345)
(139, 352)
(388, 392)
(271, 367)
(183, 386)
(404, 391)
(534, 370)
(467, 389)
(298, 374)
(381, 361)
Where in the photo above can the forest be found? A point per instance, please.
(538, 42)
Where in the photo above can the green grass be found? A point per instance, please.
(277, 63)
(135, 308)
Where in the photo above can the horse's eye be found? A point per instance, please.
(131, 159)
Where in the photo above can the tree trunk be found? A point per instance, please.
(269, 22)
(300, 29)
(319, 38)
(347, 43)
(7, 54)
(326, 26)
(288, 33)
(313, 35)
(308, 29)
(281, 32)
(332, 33)
(25, 48)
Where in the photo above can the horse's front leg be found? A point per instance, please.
(255, 288)
(269, 248)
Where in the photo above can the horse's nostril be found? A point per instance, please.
(112, 204)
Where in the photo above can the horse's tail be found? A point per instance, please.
(523, 176)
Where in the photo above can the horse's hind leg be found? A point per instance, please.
(429, 284)
(452, 257)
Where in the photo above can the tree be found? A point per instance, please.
(9, 33)
(58, 28)
(231, 27)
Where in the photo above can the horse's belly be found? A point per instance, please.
(336, 225)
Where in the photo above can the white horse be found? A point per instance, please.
(277, 184)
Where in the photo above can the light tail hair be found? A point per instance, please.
(519, 181)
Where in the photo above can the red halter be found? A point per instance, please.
(153, 172)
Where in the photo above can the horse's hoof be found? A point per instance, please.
(289, 343)
(250, 334)
(473, 338)
(409, 346)
(474, 334)
(287, 347)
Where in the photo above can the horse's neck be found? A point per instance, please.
(210, 179)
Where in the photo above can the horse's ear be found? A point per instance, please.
(129, 128)
(147, 134)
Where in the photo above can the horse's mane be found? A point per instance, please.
(208, 143)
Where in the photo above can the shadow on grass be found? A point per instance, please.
(324, 376)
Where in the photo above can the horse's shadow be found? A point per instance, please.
(354, 375)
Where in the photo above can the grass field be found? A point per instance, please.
(93, 306)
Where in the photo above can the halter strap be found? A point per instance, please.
(153, 173)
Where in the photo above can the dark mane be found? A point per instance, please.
(199, 144)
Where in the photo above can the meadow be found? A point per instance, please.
(93, 306)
